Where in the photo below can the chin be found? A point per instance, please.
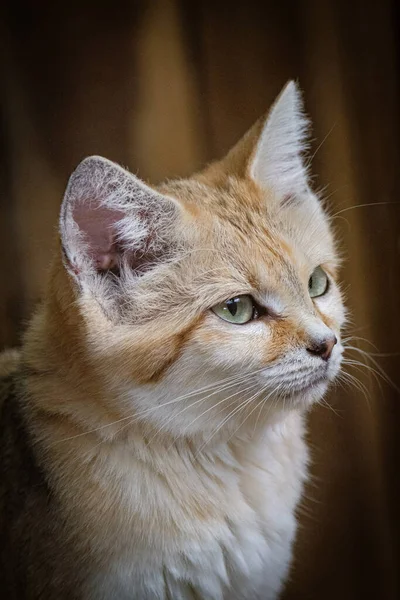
(309, 395)
(314, 392)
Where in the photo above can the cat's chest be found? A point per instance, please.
(241, 562)
(231, 540)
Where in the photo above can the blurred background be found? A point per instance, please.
(164, 86)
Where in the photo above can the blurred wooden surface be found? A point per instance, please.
(163, 87)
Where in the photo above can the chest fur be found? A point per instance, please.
(169, 528)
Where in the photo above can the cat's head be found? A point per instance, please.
(209, 300)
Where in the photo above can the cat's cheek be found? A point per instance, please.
(230, 346)
(252, 345)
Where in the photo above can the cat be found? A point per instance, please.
(153, 421)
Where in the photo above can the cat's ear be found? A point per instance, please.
(276, 162)
(111, 220)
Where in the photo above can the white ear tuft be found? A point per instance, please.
(277, 162)
(111, 220)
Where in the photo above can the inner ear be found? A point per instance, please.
(98, 224)
(100, 227)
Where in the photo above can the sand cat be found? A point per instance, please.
(152, 424)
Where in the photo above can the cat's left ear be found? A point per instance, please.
(276, 162)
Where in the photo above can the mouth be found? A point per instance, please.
(306, 384)
(319, 380)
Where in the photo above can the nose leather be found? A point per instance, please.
(323, 348)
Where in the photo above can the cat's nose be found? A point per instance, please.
(322, 348)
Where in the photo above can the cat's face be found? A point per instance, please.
(213, 301)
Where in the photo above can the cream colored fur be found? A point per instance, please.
(173, 439)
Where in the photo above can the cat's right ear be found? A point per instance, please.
(110, 220)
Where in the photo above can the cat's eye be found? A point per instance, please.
(318, 283)
(239, 310)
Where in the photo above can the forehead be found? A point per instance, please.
(269, 243)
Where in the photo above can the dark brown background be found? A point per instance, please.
(164, 86)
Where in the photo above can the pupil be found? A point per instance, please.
(310, 283)
(232, 306)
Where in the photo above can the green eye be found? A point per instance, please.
(318, 283)
(237, 310)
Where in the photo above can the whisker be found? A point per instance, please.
(225, 420)
(323, 402)
(238, 410)
(310, 160)
(378, 370)
(251, 387)
(168, 420)
(232, 380)
(356, 383)
(357, 337)
(262, 402)
(355, 364)
(362, 205)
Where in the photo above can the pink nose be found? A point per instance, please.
(323, 348)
